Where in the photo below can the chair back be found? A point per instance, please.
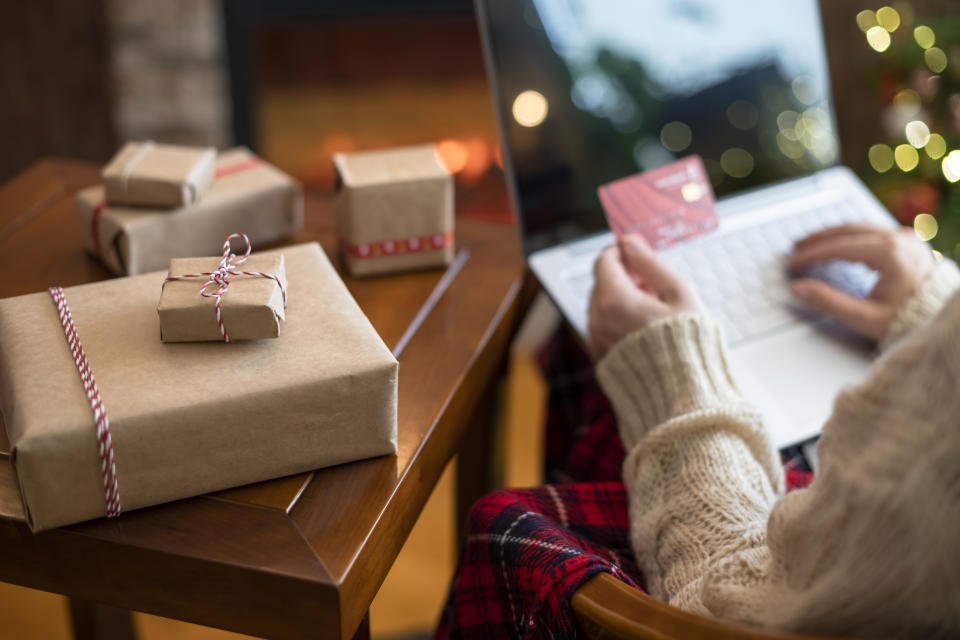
(608, 609)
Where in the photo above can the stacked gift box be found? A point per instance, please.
(202, 374)
(196, 374)
(160, 201)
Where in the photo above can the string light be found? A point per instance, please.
(907, 101)
(917, 132)
(906, 157)
(951, 166)
(925, 226)
(936, 59)
(881, 158)
(866, 19)
(878, 38)
(888, 18)
(936, 146)
(924, 36)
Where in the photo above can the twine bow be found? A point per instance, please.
(218, 283)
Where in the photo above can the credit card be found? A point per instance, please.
(665, 205)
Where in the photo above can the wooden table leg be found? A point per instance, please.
(95, 621)
(363, 631)
(474, 469)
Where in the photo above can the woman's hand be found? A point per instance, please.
(902, 259)
(631, 289)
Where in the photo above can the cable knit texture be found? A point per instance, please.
(933, 293)
(870, 548)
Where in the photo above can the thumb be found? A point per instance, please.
(864, 316)
(640, 260)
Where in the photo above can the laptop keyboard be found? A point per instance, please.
(741, 276)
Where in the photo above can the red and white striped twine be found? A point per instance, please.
(220, 279)
(108, 466)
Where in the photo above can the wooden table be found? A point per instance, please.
(302, 556)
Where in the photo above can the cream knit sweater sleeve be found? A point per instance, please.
(870, 547)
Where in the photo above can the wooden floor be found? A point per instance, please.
(409, 602)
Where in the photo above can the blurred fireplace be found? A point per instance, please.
(312, 78)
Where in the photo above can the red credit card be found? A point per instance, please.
(665, 205)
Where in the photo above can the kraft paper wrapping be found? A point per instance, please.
(248, 195)
(390, 195)
(251, 309)
(158, 175)
(188, 419)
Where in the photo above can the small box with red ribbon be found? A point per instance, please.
(147, 174)
(394, 210)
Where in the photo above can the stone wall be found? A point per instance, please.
(169, 71)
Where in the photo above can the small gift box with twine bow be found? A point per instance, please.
(235, 297)
(155, 175)
(394, 210)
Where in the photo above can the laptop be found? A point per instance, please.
(589, 91)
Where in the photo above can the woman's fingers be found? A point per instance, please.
(864, 316)
(640, 260)
(841, 230)
(874, 250)
(609, 271)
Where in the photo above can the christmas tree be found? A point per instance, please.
(916, 164)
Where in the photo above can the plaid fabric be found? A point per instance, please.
(529, 550)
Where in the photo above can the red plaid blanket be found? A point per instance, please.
(529, 550)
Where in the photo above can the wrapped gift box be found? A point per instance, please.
(247, 194)
(394, 210)
(187, 419)
(251, 309)
(158, 175)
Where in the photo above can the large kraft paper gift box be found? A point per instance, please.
(191, 418)
(394, 210)
(247, 194)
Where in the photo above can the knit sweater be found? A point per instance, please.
(871, 548)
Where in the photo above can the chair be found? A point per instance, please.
(608, 609)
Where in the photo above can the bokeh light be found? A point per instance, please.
(907, 101)
(888, 18)
(936, 59)
(805, 89)
(737, 162)
(478, 160)
(530, 108)
(743, 115)
(866, 20)
(924, 36)
(936, 146)
(787, 122)
(792, 148)
(906, 157)
(917, 132)
(453, 153)
(878, 38)
(676, 136)
(951, 166)
(881, 158)
(925, 226)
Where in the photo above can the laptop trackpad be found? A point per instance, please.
(793, 377)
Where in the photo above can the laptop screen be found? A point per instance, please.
(589, 91)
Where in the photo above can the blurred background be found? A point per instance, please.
(298, 80)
